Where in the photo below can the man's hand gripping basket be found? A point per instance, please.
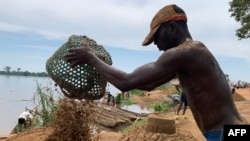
(82, 81)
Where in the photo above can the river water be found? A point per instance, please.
(15, 95)
(17, 92)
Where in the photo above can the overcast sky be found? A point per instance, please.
(32, 30)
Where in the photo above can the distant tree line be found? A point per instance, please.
(7, 71)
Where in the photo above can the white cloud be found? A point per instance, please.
(122, 23)
(38, 47)
(230, 48)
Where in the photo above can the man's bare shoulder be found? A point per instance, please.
(191, 44)
(186, 47)
(198, 44)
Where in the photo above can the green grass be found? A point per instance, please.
(136, 92)
(140, 92)
(139, 122)
(123, 100)
(127, 101)
(162, 106)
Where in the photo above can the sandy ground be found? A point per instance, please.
(186, 129)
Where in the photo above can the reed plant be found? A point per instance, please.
(46, 100)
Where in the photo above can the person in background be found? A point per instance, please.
(200, 75)
(111, 100)
(183, 101)
(25, 119)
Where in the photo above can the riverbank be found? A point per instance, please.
(186, 128)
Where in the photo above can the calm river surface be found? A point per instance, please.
(16, 93)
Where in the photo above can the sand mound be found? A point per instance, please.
(139, 134)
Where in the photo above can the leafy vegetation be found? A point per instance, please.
(69, 118)
(240, 10)
(162, 106)
(46, 102)
(136, 92)
(140, 92)
(127, 101)
(119, 99)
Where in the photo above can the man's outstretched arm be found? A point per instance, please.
(145, 77)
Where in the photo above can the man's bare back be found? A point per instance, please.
(206, 87)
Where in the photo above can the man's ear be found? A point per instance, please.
(173, 27)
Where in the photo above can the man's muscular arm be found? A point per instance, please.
(145, 77)
(155, 84)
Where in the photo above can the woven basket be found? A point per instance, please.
(82, 81)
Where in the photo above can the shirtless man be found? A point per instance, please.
(200, 75)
